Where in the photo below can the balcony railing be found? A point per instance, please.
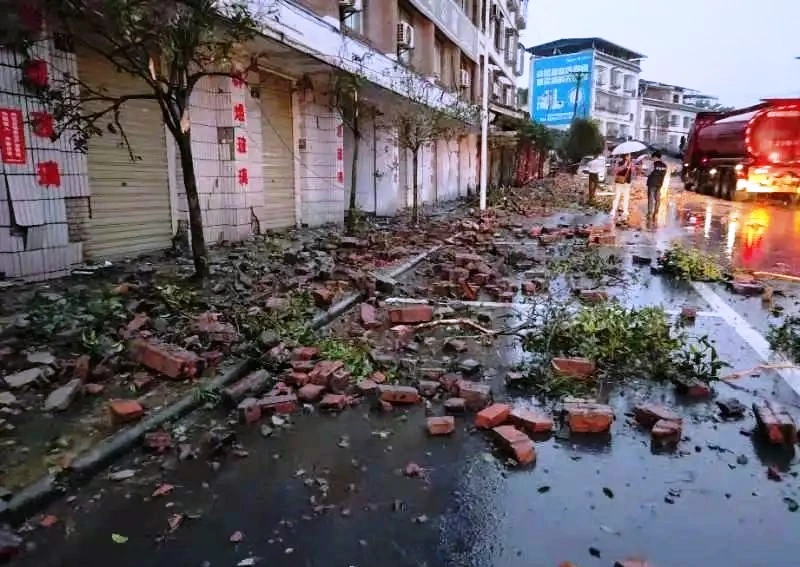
(448, 16)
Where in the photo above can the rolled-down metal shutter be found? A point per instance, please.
(130, 206)
(278, 136)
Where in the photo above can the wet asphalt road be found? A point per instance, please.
(470, 509)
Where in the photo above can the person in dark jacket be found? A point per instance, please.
(655, 181)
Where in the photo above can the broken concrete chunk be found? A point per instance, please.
(29, 377)
(731, 408)
(469, 366)
(61, 398)
(42, 358)
(455, 405)
(7, 399)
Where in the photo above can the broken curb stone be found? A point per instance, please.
(515, 442)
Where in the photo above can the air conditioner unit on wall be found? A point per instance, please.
(465, 80)
(351, 5)
(405, 36)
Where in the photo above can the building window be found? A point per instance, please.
(438, 56)
(404, 55)
(353, 21)
(676, 99)
(498, 34)
(686, 121)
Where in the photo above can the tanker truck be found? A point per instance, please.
(735, 154)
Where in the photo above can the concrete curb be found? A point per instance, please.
(348, 302)
(48, 488)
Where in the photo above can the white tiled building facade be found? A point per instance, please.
(270, 152)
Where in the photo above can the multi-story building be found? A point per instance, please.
(667, 113)
(270, 149)
(588, 78)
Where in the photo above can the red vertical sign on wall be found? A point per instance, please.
(340, 155)
(12, 136)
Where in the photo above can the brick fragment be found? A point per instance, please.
(466, 260)
(323, 370)
(339, 382)
(323, 297)
(125, 411)
(455, 405)
(335, 402)
(692, 387)
(648, 414)
(310, 392)
(531, 421)
(593, 295)
(249, 386)
(296, 379)
(249, 411)
(305, 353)
(775, 422)
(516, 443)
(469, 291)
(441, 425)
(587, 416)
(366, 387)
(689, 313)
(666, 429)
(477, 396)
(492, 416)
(282, 403)
(411, 314)
(575, 367)
(633, 562)
(399, 394)
(166, 359)
(428, 388)
(369, 316)
(208, 324)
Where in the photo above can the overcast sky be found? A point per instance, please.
(737, 50)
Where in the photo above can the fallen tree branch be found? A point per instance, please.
(459, 322)
(772, 366)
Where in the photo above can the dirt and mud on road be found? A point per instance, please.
(544, 388)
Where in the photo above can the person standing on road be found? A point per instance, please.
(622, 187)
(595, 167)
(656, 179)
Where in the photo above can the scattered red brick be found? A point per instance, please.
(689, 313)
(125, 411)
(773, 473)
(441, 425)
(450, 382)
(469, 291)
(465, 260)
(142, 381)
(633, 562)
(477, 396)
(139, 322)
(593, 295)
(295, 378)
(531, 287)
(303, 366)
(158, 441)
(249, 411)
(163, 490)
(692, 387)
(369, 316)
(411, 314)
(286, 403)
(401, 335)
(82, 367)
(428, 388)
(455, 405)
(323, 297)
(492, 416)
(517, 443)
(333, 402)
(531, 421)
(535, 231)
(666, 429)
(305, 353)
(378, 377)
(775, 422)
(399, 394)
(587, 416)
(323, 370)
(310, 392)
(385, 407)
(648, 414)
(169, 360)
(575, 367)
(249, 386)
(366, 387)
(547, 239)
(209, 325)
(48, 521)
(93, 389)
(768, 294)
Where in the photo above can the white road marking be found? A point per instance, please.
(748, 333)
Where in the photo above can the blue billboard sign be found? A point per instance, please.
(561, 88)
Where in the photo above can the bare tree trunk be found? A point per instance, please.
(199, 251)
(415, 185)
(352, 207)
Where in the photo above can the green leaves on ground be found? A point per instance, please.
(691, 264)
(785, 338)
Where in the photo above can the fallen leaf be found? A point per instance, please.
(237, 536)
(543, 489)
(163, 490)
(116, 538)
(175, 522)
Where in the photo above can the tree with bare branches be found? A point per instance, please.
(427, 115)
(169, 45)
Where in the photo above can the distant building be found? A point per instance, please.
(588, 78)
(667, 112)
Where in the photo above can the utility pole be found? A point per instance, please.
(579, 76)
(485, 108)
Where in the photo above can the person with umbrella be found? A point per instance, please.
(623, 175)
